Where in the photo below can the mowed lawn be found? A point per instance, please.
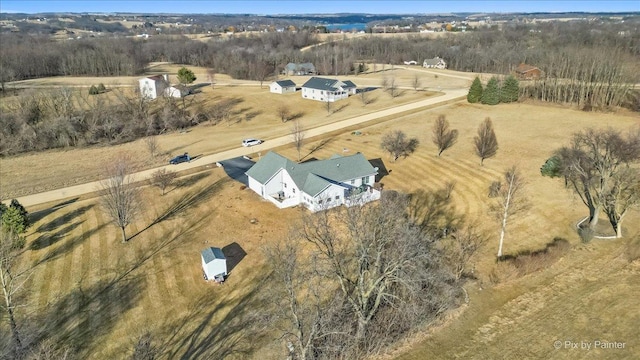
(99, 294)
(255, 115)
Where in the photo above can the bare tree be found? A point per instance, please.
(595, 162)
(623, 196)
(12, 281)
(328, 105)
(211, 76)
(510, 201)
(144, 349)
(415, 82)
(461, 247)
(284, 112)
(397, 144)
(163, 178)
(299, 295)
(120, 196)
(486, 141)
(364, 97)
(443, 137)
(374, 254)
(297, 134)
(152, 145)
(390, 85)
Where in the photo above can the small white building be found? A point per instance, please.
(282, 87)
(435, 63)
(153, 86)
(318, 185)
(214, 264)
(328, 90)
(176, 91)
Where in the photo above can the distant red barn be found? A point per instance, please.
(528, 72)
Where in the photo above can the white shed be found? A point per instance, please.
(213, 263)
(282, 87)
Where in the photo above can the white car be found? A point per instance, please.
(251, 142)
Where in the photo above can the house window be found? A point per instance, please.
(353, 182)
(293, 190)
(285, 185)
(337, 197)
(365, 180)
(320, 201)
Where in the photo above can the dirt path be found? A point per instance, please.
(82, 189)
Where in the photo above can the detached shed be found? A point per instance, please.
(282, 87)
(213, 263)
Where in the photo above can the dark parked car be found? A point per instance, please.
(180, 159)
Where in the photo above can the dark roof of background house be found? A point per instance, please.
(285, 83)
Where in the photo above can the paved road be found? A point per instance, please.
(77, 190)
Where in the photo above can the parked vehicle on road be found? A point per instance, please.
(251, 142)
(180, 159)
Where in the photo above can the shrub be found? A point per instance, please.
(93, 90)
(101, 88)
(494, 189)
(586, 234)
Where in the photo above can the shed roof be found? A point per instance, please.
(523, 68)
(211, 254)
(285, 83)
(435, 61)
(302, 66)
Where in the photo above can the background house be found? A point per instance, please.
(435, 63)
(318, 185)
(527, 72)
(299, 69)
(153, 86)
(282, 87)
(213, 263)
(323, 89)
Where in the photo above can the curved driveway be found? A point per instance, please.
(82, 189)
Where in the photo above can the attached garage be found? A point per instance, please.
(214, 264)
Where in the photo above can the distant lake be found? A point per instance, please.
(347, 27)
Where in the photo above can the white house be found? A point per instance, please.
(435, 63)
(318, 185)
(282, 87)
(330, 90)
(214, 264)
(153, 86)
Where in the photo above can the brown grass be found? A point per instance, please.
(95, 291)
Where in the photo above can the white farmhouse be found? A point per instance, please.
(327, 90)
(318, 185)
(214, 264)
(435, 63)
(153, 86)
(282, 87)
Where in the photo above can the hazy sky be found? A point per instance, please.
(306, 7)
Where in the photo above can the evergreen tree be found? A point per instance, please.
(510, 90)
(186, 76)
(93, 90)
(491, 94)
(101, 88)
(15, 218)
(475, 91)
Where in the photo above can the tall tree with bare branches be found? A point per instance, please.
(12, 281)
(509, 201)
(398, 144)
(119, 195)
(443, 137)
(297, 135)
(486, 141)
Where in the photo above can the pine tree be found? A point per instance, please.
(491, 94)
(475, 91)
(510, 90)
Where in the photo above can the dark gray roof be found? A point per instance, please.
(322, 84)
(314, 176)
(349, 84)
(285, 83)
(211, 254)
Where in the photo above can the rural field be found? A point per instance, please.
(255, 116)
(98, 294)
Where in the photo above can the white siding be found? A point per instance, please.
(273, 185)
(148, 88)
(275, 88)
(255, 186)
(215, 267)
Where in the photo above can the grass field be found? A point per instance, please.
(98, 294)
(255, 116)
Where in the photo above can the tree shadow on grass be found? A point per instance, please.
(39, 215)
(64, 219)
(191, 180)
(235, 334)
(45, 240)
(68, 245)
(318, 146)
(187, 201)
